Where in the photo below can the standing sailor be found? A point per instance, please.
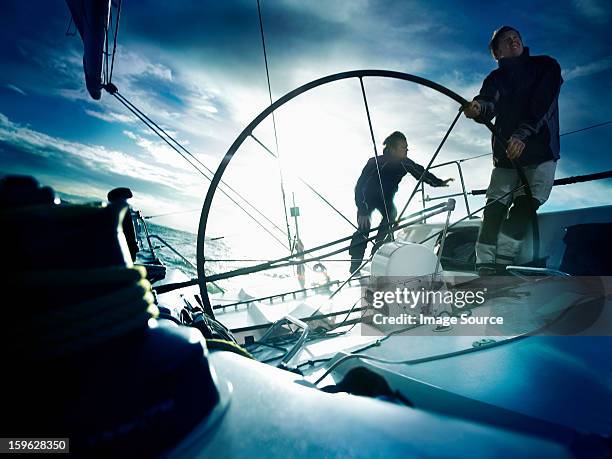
(374, 194)
(522, 94)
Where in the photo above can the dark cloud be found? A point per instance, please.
(228, 31)
(197, 67)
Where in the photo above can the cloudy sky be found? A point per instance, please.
(197, 68)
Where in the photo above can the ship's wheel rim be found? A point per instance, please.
(248, 130)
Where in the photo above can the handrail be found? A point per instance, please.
(176, 252)
(464, 192)
(251, 328)
(275, 264)
(451, 207)
(280, 295)
(440, 208)
(146, 230)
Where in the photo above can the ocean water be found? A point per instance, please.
(230, 258)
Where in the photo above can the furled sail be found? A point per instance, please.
(91, 18)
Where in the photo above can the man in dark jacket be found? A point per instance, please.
(522, 95)
(374, 193)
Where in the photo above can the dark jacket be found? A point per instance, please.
(522, 94)
(367, 190)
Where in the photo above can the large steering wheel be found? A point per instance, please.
(202, 277)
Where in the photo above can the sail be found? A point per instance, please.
(91, 18)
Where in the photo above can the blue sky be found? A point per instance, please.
(197, 68)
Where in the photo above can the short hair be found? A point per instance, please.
(494, 42)
(392, 140)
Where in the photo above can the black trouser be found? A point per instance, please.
(359, 239)
(513, 228)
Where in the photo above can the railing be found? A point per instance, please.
(173, 250)
(464, 192)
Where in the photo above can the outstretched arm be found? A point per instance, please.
(416, 170)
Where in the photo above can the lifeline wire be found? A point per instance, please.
(274, 263)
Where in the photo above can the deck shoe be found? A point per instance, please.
(486, 269)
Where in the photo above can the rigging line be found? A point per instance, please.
(68, 33)
(275, 264)
(382, 193)
(605, 123)
(115, 40)
(471, 157)
(136, 113)
(147, 217)
(416, 361)
(469, 215)
(202, 164)
(586, 128)
(261, 260)
(105, 51)
(459, 160)
(280, 169)
(566, 180)
(430, 163)
(119, 98)
(308, 185)
(195, 158)
(442, 356)
(488, 203)
(327, 202)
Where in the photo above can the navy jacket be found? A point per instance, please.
(367, 190)
(522, 94)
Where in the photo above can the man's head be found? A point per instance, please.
(396, 145)
(506, 42)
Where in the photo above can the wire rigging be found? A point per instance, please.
(308, 185)
(280, 169)
(586, 128)
(110, 76)
(111, 88)
(151, 125)
(382, 192)
(433, 158)
(195, 158)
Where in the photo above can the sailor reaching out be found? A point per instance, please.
(372, 193)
